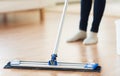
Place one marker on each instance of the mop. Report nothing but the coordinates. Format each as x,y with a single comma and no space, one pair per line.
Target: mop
52,64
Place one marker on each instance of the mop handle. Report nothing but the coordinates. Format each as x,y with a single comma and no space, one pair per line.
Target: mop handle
60,27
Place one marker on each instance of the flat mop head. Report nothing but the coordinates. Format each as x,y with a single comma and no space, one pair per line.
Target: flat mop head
61,66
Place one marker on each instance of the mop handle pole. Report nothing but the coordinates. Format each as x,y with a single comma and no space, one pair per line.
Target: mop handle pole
60,27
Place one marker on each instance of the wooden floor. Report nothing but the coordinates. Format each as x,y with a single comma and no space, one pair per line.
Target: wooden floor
36,42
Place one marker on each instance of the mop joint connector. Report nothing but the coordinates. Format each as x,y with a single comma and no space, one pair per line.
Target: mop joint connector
53,60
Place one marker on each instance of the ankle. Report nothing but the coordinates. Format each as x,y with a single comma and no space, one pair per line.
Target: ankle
92,35
91,38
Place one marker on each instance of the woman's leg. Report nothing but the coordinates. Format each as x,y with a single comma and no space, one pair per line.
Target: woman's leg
85,11
99,6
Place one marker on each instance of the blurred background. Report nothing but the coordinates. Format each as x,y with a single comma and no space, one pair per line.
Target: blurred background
14,11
